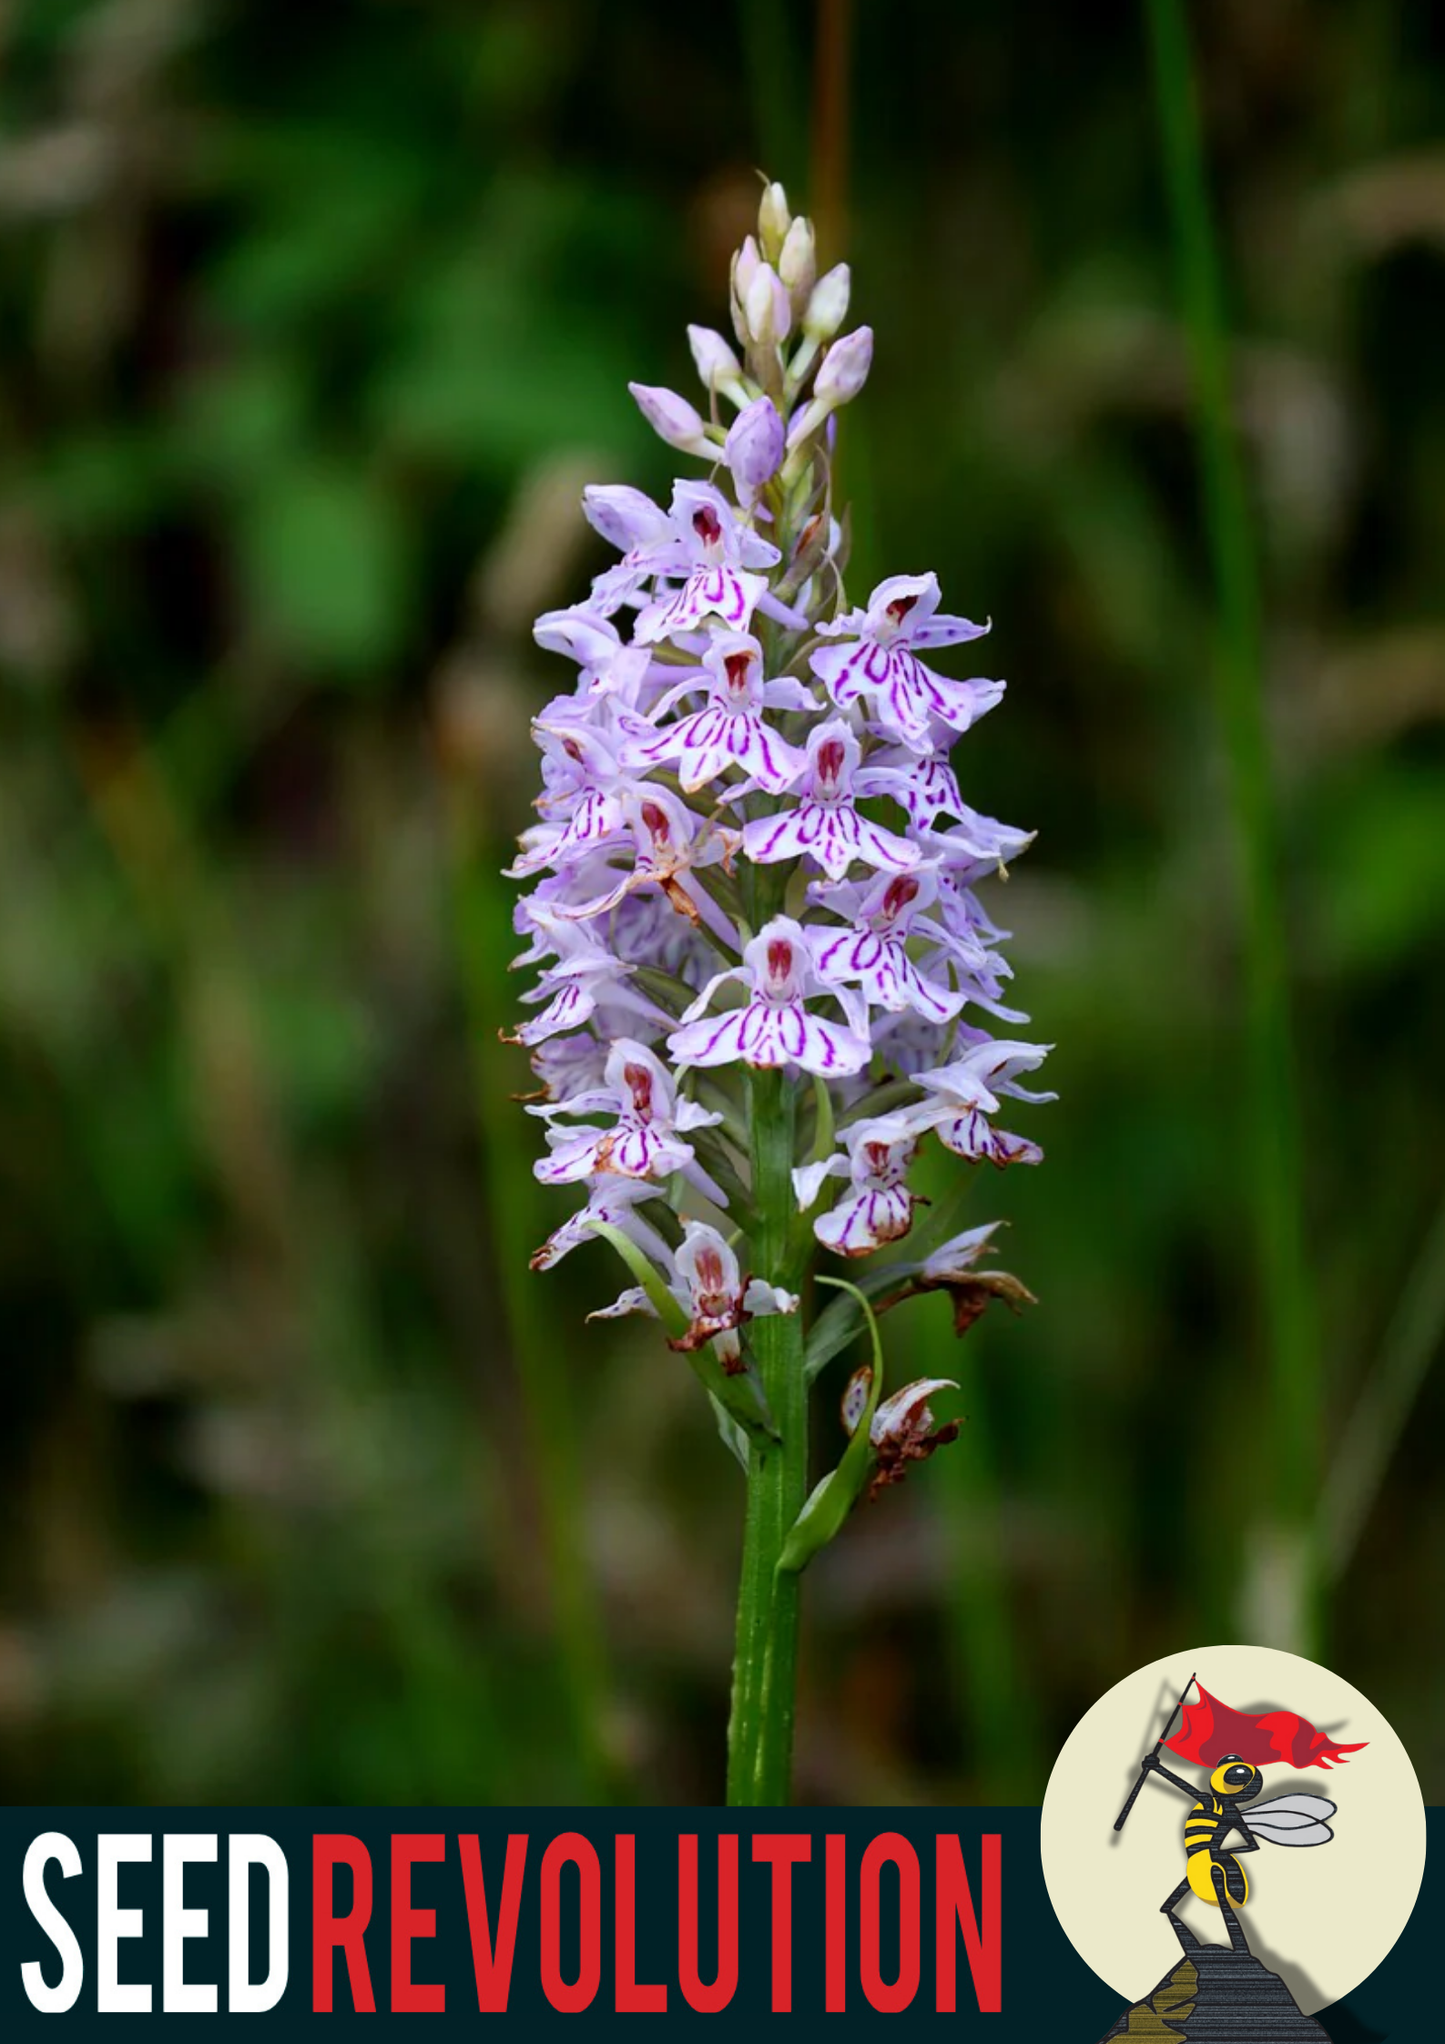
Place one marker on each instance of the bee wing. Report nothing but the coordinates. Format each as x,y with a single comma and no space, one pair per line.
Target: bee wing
1292,1820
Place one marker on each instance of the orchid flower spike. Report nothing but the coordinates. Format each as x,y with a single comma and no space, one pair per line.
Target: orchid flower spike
763,967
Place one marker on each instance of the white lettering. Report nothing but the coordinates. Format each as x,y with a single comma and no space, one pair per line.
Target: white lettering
248,1849
112,1923
52,2001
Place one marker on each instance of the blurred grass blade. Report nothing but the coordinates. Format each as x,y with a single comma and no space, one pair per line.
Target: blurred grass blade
1378,1420
1006,1763
777,105
484,941
1269,1145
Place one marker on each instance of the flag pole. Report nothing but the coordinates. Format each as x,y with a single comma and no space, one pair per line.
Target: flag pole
1143,1766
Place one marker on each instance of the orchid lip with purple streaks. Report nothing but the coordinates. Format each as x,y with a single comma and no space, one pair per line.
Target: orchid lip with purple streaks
775,1027
825,827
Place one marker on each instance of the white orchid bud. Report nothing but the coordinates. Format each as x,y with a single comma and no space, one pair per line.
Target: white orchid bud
844,369
828,306
718,367
841,375
774,222
744,268
672,418
798,265
767,314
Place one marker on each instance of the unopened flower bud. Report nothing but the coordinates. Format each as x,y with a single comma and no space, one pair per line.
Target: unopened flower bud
844,369
717,365
798,265
754,447
841,375
672,418
774,222
767,314
828,306
744,269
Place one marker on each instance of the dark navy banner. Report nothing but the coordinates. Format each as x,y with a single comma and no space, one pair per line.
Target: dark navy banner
540,1915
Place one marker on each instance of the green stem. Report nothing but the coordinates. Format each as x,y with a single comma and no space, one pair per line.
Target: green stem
760,1732
1273,1170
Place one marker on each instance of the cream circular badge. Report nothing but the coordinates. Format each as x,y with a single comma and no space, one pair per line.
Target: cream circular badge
1234,1831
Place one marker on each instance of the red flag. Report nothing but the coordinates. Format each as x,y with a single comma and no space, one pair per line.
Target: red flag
1211,1729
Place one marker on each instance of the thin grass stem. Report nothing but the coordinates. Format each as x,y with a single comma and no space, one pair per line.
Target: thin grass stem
1357,1474
483,910
1270,1142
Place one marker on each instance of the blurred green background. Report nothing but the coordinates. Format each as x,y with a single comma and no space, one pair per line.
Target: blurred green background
315,321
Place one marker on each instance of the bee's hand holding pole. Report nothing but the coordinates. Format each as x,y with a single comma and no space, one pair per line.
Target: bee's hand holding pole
1151,1760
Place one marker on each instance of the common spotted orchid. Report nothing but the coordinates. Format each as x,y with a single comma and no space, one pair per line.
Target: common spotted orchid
761,957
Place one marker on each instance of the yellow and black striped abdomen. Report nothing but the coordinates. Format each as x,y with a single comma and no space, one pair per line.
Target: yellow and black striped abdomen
1200,1824
1199,1828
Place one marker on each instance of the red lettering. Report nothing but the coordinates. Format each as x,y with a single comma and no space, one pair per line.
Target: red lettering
955,1910
784,1849
408,1996
571,1996
328,1930
493,1968
836,1923
707,2000
892,1998
634,1997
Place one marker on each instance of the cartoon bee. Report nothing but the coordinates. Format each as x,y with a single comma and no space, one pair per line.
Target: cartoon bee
1215,1875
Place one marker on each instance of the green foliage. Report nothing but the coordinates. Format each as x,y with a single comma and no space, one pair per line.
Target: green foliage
314,323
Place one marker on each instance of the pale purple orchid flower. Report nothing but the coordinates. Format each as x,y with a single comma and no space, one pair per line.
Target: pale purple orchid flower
906,699
730,731
646,1138
871,951
878,1207
926,787
775,1027
825,827
572,1064
966,1094
615,1201
697,540
720,558
584,798
703,1276
662,840
715,1295
646,929
599,806
977,846
585,971
608,667
911,1043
